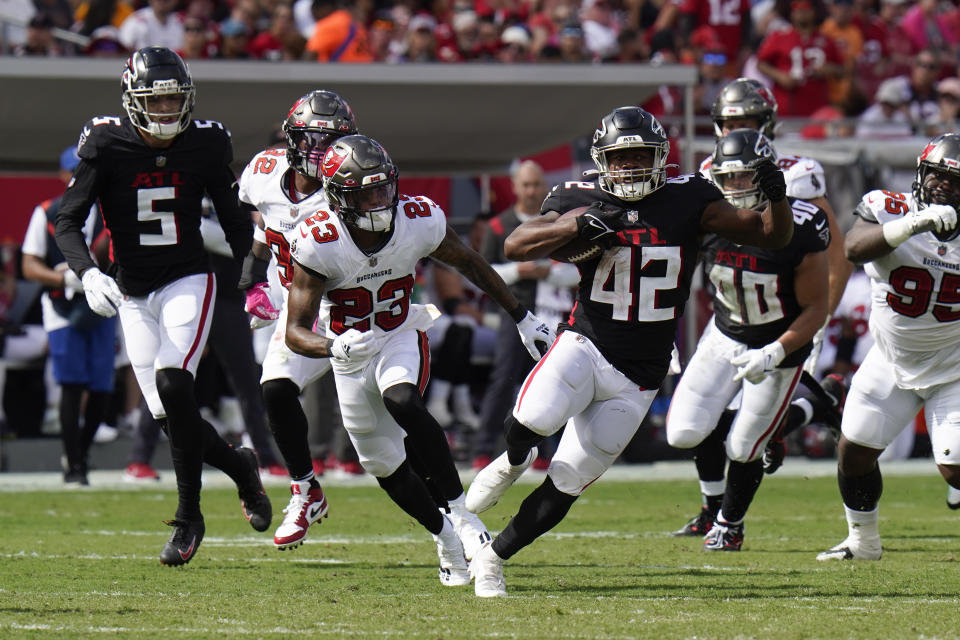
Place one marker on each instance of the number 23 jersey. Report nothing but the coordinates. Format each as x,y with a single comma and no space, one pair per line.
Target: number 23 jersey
915,298
630,298
368,292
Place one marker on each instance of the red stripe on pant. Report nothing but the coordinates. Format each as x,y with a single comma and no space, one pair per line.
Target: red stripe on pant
526,383
783,407
423,376
208,294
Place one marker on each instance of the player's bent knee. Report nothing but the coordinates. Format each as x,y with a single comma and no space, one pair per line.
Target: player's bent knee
279,394
174,386
567,479
684,436
951,473
379,455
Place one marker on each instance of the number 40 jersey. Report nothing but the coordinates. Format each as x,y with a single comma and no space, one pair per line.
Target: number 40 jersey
915,298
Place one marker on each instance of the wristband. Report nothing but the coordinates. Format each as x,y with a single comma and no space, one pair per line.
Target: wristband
897,232
254,270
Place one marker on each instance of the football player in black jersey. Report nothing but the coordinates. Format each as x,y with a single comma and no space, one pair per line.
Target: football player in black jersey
604,370
767,307
149,170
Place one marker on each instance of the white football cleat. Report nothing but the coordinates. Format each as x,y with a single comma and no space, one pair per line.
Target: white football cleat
487,573
492,481
453,565
470,529
851,549
306,506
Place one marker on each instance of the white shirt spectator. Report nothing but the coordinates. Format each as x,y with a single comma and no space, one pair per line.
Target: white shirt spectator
145,27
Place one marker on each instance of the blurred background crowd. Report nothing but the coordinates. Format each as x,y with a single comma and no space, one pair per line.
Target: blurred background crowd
865,70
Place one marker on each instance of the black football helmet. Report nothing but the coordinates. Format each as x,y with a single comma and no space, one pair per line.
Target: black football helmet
313,123
157,71
941,156
360,180
746,98
630,128
735,161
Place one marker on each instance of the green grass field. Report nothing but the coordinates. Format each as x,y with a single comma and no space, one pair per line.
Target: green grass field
83,564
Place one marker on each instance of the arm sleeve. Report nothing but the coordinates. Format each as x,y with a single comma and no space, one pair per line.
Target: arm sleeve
72,215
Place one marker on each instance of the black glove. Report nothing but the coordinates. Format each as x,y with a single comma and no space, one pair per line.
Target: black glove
771,181
601,223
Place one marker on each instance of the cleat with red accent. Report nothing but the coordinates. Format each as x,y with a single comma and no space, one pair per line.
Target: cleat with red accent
253,499
306,506
183,542
140,472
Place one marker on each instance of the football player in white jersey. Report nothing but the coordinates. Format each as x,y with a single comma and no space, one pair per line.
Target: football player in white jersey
354,263
909,244
746,103
284,186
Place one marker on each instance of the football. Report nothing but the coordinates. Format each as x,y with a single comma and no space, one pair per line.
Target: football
578,249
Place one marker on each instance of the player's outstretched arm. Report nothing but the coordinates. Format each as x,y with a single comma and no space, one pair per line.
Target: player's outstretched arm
233,216
303,306
868,241
772,229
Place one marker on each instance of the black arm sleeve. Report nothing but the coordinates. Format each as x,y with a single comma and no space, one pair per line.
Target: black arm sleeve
72,214
235,220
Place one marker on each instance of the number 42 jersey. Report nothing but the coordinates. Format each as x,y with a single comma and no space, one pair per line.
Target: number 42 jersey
369,292
915,298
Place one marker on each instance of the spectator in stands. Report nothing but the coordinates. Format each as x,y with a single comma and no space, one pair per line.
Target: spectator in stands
383,36
420,43
198,39
572,45
631,46
712,80
927,27
105,43
338,35
93,14
546,24
81,342
948,98
840,27
157,24
60,12
281,41
887,117
516,45
887,50
923,106
731,21
40,40
600,28
234,40
800,81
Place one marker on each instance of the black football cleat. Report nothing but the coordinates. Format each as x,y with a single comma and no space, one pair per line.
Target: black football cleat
698,525
183,542
253,499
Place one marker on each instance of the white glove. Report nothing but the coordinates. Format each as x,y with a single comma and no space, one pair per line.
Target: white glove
72,282
103,294
933,217
537,336
354,346
755,364
674,367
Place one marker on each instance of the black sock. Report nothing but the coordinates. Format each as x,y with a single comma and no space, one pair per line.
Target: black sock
796,418
220,455
70,398
541,511
861,493
175,387
743,480
520,439
288,422
410,494
423,472
710,456
92,417
426,437
713,503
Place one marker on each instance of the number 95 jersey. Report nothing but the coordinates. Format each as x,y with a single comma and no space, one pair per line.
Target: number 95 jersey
915,298
368,292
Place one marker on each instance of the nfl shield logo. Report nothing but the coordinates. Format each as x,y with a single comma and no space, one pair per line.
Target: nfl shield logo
942,250
373,262
632,216
161,161
293,213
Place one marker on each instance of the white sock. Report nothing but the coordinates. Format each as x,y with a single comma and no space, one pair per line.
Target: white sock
953,495
863,524
713,487
804,405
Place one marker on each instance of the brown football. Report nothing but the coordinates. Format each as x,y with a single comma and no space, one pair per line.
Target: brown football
578,249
